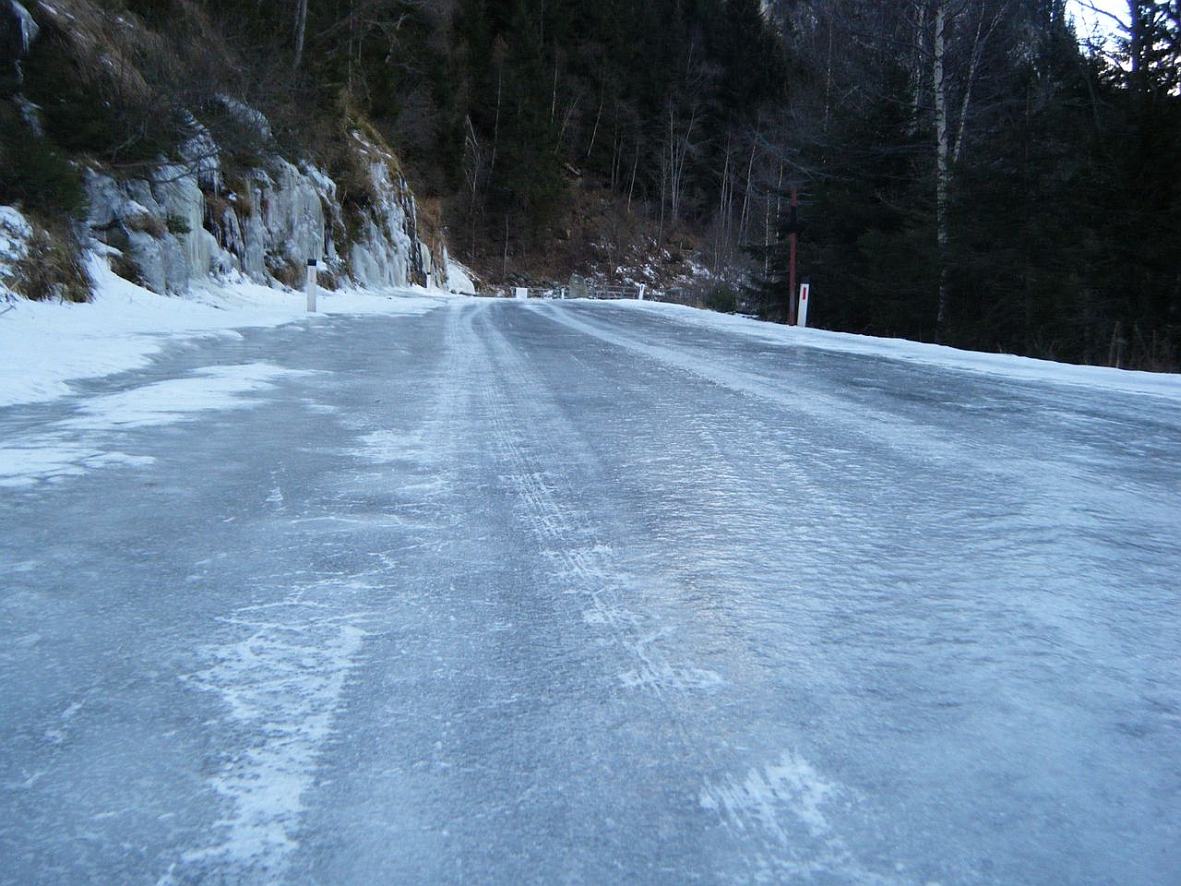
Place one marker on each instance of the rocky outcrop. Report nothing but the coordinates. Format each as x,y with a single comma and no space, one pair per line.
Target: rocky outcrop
225,201
389,220
184,221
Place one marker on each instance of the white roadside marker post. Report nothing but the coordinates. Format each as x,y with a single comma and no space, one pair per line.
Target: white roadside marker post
311,285
802,319
643,286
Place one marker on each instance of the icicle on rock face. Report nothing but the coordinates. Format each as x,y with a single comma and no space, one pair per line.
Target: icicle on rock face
294,219
157,225
386,250
18,30
192,218
15,232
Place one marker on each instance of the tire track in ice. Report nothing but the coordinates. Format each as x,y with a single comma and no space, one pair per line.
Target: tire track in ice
822,409
284,672
780,812
579,556
809,495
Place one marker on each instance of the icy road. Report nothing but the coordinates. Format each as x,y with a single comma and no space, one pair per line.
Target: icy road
510,593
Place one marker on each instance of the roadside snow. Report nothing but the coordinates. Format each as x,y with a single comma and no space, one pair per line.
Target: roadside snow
45,346
14,233
1006,365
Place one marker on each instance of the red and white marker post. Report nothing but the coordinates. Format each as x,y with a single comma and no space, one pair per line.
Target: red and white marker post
805,290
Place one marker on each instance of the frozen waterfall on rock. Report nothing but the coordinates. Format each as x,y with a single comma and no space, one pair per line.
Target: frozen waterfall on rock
188,219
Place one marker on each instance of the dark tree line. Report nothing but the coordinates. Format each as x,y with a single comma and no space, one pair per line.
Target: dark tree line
650,98
498,104
971,175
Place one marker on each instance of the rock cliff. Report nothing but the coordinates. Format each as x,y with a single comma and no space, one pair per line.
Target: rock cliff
201,208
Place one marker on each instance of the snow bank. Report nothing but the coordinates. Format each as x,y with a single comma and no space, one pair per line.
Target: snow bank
15,232
43,346
1006,365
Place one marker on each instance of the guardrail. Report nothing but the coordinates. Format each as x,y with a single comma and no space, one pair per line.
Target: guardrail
640,292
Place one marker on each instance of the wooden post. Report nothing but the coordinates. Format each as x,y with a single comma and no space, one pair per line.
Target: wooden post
791,258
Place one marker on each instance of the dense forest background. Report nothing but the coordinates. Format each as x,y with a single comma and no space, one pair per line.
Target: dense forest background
967,172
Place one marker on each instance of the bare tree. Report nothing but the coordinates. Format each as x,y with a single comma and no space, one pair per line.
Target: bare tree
942,154
301,30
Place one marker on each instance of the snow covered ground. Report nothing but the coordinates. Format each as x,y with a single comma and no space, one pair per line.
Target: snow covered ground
999,365
474,591
45,346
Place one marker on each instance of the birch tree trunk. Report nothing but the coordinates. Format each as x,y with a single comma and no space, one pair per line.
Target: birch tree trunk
744,218
301,29
918,65
979,43
942,160
679,147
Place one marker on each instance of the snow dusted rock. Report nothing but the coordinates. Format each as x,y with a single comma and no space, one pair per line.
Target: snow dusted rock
240,233
37,263
184,213
14,245
174,230
189,219
387,251
293,217
157,224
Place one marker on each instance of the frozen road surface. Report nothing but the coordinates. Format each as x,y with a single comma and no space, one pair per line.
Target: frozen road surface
540,593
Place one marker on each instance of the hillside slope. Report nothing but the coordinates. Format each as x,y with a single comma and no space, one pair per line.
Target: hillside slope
123,131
